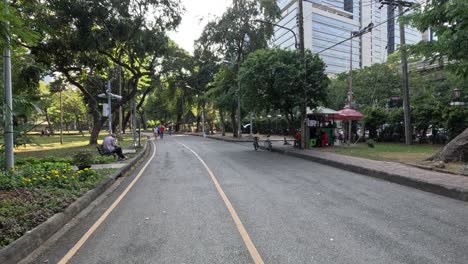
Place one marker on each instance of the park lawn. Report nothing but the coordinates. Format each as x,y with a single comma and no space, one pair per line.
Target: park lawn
388,151
42,146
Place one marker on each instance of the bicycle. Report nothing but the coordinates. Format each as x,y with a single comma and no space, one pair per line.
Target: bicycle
255,143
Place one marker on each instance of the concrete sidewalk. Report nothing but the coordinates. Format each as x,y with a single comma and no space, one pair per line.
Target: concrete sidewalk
450,185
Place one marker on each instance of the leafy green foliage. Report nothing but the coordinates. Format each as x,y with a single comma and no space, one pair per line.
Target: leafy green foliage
14,26
274,80
85,40
235,34
374,118
449,22
83,159
372,86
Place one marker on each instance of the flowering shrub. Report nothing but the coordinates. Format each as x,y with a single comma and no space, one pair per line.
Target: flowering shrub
33,192
47,174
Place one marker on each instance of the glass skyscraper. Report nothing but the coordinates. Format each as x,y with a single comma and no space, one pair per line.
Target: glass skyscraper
327,22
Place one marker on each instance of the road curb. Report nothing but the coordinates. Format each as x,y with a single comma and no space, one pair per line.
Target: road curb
455,193
25,245
220,139
229,140
436,169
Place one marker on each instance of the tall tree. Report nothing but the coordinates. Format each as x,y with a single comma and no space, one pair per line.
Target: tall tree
235,34
274,80
85,40
448,21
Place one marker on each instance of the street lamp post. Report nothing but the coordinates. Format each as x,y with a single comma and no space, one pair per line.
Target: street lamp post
251,124
456,98
9,141
61,116
108,92
239,129
109,95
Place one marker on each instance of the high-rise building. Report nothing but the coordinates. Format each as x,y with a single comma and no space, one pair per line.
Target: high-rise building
327,22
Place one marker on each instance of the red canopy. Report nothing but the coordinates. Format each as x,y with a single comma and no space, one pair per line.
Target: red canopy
348,114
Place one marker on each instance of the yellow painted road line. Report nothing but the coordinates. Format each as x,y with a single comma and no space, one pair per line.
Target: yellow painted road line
243,232
103,217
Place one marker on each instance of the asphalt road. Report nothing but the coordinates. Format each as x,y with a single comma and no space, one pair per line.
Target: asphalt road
294,211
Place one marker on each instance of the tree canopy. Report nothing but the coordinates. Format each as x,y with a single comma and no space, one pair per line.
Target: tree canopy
448,21
276,79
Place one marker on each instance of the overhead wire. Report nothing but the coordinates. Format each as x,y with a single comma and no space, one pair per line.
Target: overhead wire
341,42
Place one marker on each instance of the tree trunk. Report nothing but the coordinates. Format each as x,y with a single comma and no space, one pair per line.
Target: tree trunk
223,126
290,120
48,119
198,125
233,122
455,150
98,122
143,120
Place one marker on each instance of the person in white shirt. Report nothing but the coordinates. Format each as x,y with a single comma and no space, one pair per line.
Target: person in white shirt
110,146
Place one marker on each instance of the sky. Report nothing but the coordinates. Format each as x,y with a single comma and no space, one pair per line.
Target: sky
197,14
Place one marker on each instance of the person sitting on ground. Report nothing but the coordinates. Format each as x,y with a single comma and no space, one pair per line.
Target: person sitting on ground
110,146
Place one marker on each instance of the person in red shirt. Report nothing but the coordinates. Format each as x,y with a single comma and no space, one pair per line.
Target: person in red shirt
324,139
161,131
297,139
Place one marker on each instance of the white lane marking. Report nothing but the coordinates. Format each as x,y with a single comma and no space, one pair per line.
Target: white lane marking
240,227
103,217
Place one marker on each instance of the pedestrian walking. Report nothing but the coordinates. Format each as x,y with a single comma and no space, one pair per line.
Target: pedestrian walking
169,130
157,130
161,131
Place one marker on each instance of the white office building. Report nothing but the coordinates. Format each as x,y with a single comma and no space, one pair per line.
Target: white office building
327,22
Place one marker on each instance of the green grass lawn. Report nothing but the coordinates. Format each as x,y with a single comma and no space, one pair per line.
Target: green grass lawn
42,146
388,151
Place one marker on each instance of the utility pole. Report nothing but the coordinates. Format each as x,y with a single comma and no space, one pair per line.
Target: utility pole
350,88
251,124
239,129
120,107
404,68
134,122
300,22
61,117
8,110
109,101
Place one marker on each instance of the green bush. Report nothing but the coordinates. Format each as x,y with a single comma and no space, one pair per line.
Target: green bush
84,158
33,160
103,159
370,143
45,175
